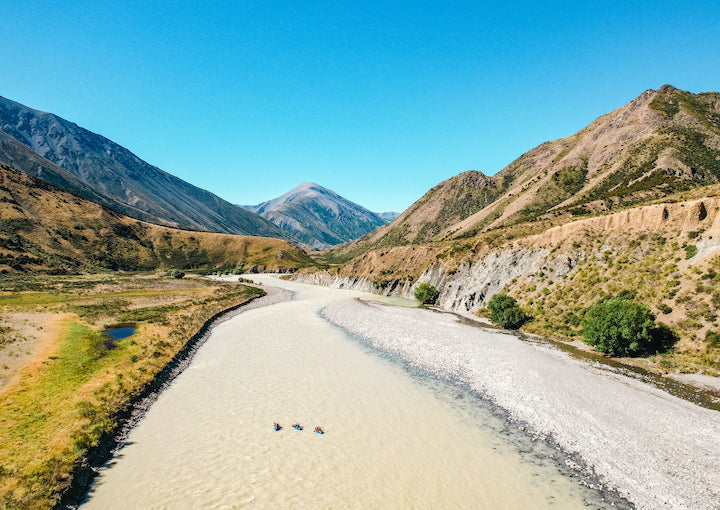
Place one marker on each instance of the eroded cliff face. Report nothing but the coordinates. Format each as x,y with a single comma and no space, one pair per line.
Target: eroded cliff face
643,247
467,288
473,284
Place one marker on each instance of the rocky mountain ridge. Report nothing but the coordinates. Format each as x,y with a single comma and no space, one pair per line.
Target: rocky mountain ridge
317,216
45,229
111,174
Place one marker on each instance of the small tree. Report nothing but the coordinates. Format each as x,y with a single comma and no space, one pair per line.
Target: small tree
427,294
505,312
620,327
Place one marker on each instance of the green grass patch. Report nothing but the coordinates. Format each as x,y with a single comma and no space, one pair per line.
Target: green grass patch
24,299
151,313
41,410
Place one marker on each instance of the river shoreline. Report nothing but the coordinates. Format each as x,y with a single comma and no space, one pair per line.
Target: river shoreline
405,334
86,471
393,441
569,464
657,450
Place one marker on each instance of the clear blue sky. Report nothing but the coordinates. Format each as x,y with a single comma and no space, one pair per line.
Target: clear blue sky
378,101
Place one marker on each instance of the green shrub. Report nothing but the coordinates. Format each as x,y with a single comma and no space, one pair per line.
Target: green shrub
628,294
505,312
713,338
571,179
425,293
690,251
621,327
710,275
177,274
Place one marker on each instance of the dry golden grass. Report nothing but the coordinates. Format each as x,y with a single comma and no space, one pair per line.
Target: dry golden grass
65,396
44,229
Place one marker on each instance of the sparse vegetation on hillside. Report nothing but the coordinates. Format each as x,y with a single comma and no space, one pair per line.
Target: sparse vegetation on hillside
698,105
607,265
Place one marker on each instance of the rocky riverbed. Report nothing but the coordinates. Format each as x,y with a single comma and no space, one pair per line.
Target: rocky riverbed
657,450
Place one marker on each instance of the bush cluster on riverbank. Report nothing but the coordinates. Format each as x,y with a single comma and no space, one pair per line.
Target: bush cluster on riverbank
427,294
505,312
623,327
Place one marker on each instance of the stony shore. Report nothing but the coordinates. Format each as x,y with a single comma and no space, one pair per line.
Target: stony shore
657,450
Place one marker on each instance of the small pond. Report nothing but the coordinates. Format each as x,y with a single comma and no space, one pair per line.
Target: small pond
118,333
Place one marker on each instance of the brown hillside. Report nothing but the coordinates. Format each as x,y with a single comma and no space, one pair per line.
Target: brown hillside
660,143
667,255
627,205
444,205
46,229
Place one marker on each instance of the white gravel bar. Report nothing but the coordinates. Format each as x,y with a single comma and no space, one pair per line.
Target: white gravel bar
657,450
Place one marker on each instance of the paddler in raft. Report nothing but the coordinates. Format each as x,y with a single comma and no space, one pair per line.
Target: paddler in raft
276,426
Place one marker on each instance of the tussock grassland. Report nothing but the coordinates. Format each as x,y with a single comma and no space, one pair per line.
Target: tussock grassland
47,230
67,384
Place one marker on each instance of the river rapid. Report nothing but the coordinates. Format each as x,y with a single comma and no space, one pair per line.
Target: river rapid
395,437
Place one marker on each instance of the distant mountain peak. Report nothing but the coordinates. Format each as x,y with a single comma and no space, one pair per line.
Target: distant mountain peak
309,185
318,216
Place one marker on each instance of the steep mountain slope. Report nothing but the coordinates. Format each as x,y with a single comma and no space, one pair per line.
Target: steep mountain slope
45,229
318,216
114,172
627,205
18,155
660,143
444,205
